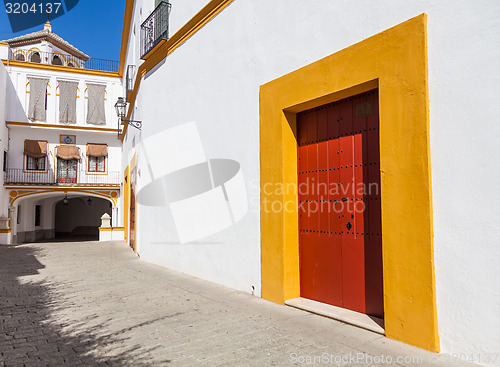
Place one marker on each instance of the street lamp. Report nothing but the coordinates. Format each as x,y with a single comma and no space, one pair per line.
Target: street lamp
121,112
121,107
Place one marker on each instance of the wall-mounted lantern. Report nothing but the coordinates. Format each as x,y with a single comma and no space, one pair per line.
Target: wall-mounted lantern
121,112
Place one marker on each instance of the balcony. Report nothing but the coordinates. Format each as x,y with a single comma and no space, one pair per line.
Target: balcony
19,176
60,59
155,28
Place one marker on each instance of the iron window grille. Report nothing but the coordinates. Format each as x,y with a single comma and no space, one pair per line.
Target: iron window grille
155,28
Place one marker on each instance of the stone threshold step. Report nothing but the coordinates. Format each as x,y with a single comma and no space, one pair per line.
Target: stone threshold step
354,318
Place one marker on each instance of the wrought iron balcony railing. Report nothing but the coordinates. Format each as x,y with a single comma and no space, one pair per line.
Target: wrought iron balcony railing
24,177
60,59
155,28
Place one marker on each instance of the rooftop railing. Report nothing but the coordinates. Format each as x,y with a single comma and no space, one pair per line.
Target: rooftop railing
155,28
60,59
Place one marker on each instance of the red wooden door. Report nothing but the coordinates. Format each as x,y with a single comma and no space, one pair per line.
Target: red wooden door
339,204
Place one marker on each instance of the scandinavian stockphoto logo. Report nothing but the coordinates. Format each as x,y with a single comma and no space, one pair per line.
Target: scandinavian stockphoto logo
25,14
205,196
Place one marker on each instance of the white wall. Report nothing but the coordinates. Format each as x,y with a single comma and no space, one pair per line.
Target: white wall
27,217
464,73
18,134
4,140
181,12
17,102
4,51
47,219
18,97
214,79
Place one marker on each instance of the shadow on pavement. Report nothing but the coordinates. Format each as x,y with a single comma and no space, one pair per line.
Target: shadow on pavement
29,334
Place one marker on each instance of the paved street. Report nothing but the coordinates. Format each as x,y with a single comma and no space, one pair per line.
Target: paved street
98,304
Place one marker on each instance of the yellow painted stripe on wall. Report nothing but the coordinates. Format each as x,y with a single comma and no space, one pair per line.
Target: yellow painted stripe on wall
126,201
65,69
127,20
35,124
164,48
395,61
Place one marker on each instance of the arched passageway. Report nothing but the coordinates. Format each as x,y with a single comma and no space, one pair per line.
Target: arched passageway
79,218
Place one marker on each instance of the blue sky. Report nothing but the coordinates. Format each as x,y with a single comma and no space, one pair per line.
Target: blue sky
93,26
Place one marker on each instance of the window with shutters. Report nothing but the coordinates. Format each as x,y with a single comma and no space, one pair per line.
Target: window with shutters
35,57
97,164
35,153
96,158
67,170
67,101
19,56
35,164
96,112
56,60
37,108
67,163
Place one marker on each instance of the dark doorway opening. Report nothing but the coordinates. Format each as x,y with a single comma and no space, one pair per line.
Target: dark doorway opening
80,218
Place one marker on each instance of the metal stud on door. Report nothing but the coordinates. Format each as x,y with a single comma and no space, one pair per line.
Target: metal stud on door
373,242
321,281
338,159
353,272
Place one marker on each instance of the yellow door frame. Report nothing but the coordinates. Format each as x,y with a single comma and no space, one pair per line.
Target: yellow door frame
395,62
126,202
133,164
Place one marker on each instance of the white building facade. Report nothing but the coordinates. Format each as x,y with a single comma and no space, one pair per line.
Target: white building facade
61,150
256,116
215,174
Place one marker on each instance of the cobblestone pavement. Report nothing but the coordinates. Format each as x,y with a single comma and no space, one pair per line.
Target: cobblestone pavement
97,304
